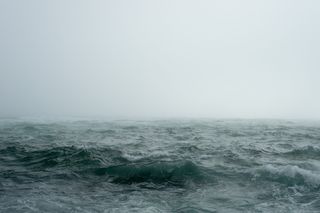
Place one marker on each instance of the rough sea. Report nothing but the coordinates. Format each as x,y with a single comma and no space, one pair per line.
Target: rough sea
159,166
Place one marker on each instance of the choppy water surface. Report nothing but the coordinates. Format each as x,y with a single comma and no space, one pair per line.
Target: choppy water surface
159,166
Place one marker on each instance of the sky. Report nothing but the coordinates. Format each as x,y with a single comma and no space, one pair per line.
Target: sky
160,59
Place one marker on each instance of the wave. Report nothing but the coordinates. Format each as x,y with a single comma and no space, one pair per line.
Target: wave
102,162
288,175
67,156
173,173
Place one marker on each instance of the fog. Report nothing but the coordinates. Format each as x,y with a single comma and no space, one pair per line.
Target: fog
160,59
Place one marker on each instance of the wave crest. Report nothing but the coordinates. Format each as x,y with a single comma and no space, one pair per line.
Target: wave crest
289,175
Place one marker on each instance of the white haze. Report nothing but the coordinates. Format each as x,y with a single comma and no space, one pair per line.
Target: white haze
160,59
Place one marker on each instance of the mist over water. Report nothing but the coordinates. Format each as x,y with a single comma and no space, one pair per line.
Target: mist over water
160,59
159,166
114,106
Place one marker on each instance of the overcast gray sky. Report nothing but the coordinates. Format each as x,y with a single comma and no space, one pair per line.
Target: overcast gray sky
164,58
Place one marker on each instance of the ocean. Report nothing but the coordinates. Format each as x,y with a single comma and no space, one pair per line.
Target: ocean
159,166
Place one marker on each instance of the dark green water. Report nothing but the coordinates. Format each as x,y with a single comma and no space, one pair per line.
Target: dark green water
159,166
